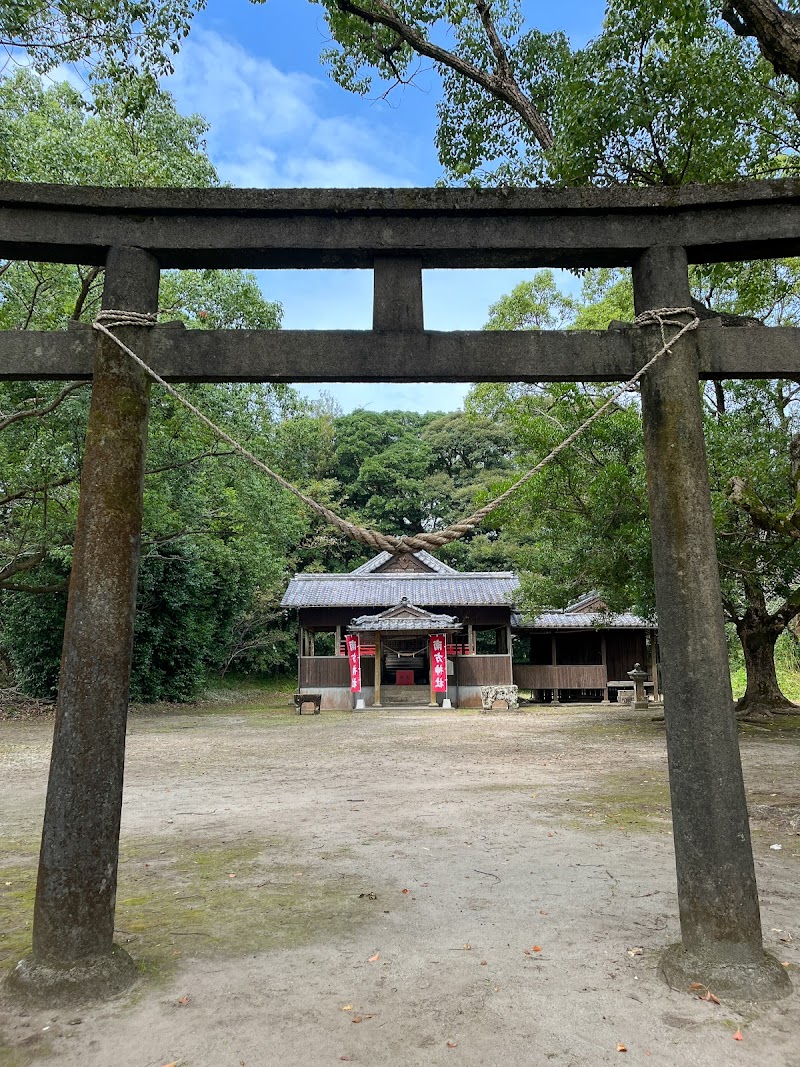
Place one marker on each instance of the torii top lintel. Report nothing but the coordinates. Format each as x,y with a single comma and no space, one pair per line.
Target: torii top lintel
442,228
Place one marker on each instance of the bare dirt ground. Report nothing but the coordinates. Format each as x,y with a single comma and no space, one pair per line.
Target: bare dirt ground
409,888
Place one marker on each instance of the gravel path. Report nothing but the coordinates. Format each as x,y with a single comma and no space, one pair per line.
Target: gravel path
418,888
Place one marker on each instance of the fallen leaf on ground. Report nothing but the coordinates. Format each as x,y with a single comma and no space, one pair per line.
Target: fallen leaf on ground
452,1044
738,1036
357,1019
406,890
173,1064
231,875
710,997
544,912
347,1007
184,1000
637,951
537,948
622,1048
484,963
375,958
697,985
467,947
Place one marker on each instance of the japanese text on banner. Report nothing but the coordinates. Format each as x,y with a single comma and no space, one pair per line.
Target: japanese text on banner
439,663
354,658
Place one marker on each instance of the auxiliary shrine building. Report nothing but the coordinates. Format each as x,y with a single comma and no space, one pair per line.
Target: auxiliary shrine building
394,604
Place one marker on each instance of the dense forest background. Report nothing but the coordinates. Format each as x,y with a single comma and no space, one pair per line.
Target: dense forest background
666,94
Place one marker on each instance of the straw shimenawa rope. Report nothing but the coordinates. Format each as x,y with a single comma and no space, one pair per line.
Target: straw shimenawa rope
106,321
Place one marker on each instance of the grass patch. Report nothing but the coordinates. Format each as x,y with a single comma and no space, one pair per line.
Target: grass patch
17,891
643,728
784,728
634,802
224,901
234,687
200,899
176,717
22,1057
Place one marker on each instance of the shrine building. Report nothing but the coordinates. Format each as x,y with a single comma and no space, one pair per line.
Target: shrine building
395,603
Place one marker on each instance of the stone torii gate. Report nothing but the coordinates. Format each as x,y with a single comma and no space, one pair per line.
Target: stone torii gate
397,233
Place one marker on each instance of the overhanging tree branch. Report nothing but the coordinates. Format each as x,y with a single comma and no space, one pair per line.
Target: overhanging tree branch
20,565
501,84
39,412
36,490
22,587
776,30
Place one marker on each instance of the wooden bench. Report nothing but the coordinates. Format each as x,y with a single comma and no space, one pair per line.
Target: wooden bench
307,698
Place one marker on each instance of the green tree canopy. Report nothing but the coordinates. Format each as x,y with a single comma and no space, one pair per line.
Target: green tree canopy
667,93
217,538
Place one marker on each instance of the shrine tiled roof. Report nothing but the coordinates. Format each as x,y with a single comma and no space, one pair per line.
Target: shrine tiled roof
424,557
403,616
439,587
581,620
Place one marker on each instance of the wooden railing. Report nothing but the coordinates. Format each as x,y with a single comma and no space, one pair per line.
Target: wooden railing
577,676
332,672
482,670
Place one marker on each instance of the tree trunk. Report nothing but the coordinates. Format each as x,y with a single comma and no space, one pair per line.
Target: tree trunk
763,697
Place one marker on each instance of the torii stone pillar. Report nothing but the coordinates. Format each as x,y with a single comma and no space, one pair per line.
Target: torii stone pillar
717,893
73,951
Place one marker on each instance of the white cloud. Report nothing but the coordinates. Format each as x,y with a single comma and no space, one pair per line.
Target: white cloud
269,127
272,128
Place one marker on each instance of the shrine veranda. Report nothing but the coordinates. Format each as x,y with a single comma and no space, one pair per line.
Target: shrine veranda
397,234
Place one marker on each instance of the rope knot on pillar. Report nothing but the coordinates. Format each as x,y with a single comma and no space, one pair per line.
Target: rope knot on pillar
111,319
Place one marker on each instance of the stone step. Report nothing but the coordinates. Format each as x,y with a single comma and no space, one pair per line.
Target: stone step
397,695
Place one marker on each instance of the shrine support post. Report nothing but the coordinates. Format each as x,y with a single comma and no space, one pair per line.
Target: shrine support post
718,899
73,950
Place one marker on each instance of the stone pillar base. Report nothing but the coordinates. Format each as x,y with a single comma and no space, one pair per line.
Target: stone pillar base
73,982
741,972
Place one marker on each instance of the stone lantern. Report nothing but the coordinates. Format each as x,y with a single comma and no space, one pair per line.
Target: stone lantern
638,676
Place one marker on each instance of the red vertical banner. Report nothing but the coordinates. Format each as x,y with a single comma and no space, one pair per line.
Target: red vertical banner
354,657
438,655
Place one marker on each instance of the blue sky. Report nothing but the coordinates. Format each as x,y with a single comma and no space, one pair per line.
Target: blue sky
278,120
